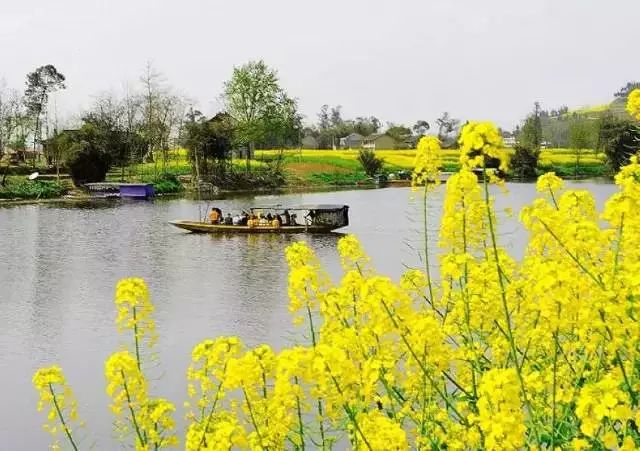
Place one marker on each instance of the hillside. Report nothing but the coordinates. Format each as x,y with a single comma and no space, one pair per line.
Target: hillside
555,129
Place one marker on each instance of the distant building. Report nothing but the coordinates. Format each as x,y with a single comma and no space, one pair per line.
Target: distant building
509,141
309,142
380,141
351,141
17,156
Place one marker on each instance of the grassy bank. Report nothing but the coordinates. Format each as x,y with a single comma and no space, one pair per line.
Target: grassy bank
18,187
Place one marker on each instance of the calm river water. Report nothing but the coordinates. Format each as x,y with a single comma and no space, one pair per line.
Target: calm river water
59,264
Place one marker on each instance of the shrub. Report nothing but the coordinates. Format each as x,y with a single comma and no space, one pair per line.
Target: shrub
89,165
371,163
167,183
619,139
35,189
524,161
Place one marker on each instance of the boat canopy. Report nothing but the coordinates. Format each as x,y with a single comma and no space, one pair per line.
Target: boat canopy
308,207
333,215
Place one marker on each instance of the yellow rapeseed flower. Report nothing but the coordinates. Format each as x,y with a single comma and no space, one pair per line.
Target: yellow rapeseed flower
427,162
57,398
479,140
633,103
134,312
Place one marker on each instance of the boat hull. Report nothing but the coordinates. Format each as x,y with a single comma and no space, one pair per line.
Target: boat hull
203,227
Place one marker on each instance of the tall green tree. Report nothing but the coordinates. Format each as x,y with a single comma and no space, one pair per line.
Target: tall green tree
399,132
40,84
366,126
209,144
531,132
256,102
527,150
323,117
619,139
583,135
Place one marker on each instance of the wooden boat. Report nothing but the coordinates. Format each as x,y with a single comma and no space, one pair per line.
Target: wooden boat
320,218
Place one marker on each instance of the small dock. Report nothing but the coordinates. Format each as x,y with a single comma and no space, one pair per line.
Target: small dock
124,190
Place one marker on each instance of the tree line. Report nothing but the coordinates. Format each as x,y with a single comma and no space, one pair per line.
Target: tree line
144,122
148,119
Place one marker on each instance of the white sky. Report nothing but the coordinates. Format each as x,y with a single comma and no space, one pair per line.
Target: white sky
399,60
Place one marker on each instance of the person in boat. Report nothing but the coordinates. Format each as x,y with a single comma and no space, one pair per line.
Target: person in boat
269,217
244,219
228,220
287,218
292,219
263,221
215,215
309,217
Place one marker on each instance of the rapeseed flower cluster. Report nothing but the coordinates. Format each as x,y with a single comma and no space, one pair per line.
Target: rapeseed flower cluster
427,162
494,353
134,312
633,103
56,397
480,141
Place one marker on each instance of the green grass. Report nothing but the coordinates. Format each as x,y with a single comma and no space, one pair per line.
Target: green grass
19,188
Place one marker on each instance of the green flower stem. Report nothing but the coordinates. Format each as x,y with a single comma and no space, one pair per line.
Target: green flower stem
67,431
347,409
135,335
133,414
505,306
426,246
300,423
424,368
555,382
320,410
253,418
211,412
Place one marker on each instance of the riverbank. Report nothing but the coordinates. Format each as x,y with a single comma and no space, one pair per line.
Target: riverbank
300,171
81,197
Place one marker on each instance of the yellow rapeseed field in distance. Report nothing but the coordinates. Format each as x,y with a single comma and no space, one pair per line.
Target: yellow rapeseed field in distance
404,159
308,162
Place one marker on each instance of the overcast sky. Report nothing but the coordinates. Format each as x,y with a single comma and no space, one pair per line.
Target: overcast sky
399,60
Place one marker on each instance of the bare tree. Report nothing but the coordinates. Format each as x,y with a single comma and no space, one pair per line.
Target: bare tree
162,111
10,106
132,109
